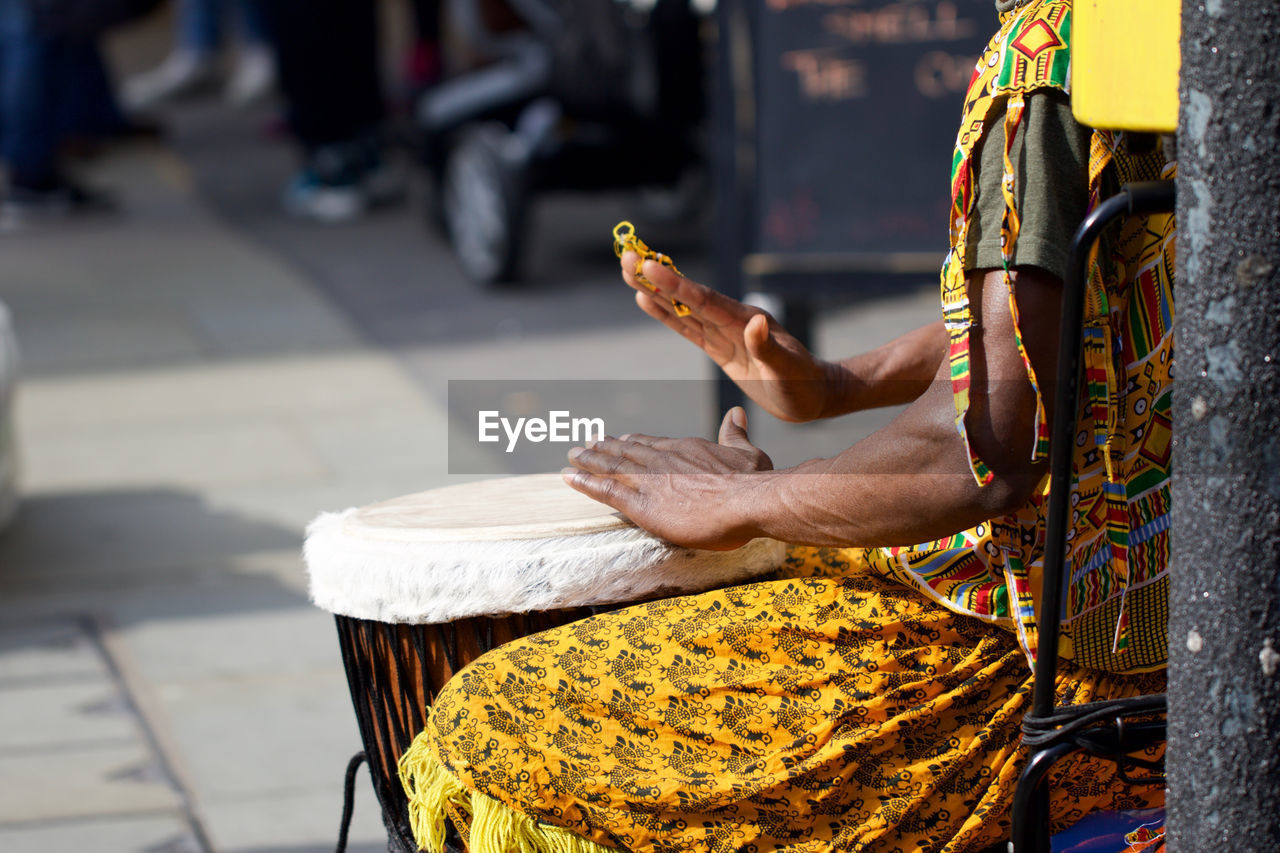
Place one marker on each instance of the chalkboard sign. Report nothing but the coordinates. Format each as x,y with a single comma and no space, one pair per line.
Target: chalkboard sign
857,104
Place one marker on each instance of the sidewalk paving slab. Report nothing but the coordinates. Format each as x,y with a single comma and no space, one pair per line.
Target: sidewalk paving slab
84,782
71,743
188,404
162,833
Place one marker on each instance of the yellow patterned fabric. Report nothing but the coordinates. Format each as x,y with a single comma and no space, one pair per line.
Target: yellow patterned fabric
1116,610
827,709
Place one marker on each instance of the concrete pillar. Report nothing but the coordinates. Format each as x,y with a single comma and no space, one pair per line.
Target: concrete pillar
1224,635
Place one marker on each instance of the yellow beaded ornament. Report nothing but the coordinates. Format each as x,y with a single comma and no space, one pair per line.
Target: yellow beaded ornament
625,240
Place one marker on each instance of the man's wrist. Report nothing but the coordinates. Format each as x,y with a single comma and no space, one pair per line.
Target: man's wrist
748,505
843,389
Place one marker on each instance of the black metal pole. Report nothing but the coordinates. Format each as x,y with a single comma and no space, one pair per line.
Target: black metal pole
1063,428
1031,822
1224,627
729,175
1133,199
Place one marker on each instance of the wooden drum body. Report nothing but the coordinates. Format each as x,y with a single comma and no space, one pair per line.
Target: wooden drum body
395,671
422,585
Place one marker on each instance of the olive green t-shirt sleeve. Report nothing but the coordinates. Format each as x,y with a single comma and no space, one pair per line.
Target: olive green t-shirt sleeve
1051,185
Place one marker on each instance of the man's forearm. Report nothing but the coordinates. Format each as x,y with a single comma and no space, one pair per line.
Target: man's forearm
907,483
891,375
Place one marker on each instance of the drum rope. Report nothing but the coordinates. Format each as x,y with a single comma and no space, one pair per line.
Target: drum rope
449,638
372,702
348,801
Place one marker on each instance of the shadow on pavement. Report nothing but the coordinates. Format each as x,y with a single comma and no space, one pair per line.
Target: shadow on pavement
161,553
308,848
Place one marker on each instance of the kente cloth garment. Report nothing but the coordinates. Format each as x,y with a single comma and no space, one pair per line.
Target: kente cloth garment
873,701
1116,610
829,709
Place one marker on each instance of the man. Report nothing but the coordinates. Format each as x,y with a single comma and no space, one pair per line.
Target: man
871,698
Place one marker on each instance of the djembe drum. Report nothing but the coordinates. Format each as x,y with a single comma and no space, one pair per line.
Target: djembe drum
422,585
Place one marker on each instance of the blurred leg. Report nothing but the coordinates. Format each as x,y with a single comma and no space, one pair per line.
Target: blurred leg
254,74
327,66
36,76
200,26
251,23
28,120
191,64
87,103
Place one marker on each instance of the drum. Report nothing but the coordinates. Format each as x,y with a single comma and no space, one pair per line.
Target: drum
422,585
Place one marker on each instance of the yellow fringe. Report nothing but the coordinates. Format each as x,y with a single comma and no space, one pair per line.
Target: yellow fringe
494,827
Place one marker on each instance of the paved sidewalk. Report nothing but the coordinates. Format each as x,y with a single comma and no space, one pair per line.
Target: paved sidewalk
189,401
188,404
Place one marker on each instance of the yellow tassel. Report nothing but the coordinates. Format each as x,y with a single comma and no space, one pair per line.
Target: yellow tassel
495,827
429,788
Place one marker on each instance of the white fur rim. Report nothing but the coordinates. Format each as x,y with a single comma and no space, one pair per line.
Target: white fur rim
435,582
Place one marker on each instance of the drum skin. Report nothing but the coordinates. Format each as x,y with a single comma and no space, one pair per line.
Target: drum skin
510,545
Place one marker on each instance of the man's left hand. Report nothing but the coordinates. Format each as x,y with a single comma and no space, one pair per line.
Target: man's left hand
689,491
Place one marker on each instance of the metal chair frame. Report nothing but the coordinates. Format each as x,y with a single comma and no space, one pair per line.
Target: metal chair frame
1102,728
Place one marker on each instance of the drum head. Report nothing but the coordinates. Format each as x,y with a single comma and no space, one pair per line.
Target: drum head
513,545
536,506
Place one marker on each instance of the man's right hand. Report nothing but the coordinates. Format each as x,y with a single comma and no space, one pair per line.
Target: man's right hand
766,362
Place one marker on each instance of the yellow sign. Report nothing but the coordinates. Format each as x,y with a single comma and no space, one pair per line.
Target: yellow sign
1124,64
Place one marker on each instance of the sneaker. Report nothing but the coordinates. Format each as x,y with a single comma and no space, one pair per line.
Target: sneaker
182,73
342,181
252,78
309,197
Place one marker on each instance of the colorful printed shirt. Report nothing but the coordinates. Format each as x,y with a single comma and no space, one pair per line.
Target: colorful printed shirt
1115,615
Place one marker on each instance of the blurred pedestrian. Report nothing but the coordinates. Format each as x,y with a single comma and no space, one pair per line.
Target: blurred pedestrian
53,86
193,65
328,70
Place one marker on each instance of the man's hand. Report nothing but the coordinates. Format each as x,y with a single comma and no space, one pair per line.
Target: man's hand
908,482
686,490
770,365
